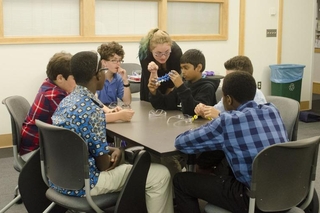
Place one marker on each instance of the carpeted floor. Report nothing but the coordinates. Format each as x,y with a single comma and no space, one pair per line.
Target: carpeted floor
9,177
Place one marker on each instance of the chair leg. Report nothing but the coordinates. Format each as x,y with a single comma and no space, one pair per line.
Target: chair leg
17,198
16,193
48,209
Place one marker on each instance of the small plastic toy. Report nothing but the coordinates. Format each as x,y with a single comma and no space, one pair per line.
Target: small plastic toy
207,73
195,117
163,78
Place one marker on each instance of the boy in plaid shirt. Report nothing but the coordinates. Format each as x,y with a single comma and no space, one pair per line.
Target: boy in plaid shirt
59,84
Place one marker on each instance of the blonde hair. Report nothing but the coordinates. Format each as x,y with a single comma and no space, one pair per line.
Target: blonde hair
154,37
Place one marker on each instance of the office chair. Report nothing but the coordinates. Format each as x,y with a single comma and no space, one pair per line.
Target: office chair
130,67
18,108
289,110
32,187
283,177
219,94
62,151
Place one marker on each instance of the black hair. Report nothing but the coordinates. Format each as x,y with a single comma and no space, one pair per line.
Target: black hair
84,66
194,57
240,85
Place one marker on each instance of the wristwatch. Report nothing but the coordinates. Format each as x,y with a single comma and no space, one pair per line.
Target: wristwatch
126,85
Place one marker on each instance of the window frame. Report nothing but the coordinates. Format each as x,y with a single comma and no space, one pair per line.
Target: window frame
87,26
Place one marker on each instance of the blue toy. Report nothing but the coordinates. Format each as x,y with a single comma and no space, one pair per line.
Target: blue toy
163,79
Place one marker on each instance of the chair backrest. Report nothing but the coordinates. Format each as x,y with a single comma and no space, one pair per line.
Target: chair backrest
18,108
289,111
62,150
32,187
132,198
219,94
130,67
282,174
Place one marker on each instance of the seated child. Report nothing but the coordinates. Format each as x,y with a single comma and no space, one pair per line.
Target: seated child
186,94
241,132
207,161
116,85
58,84
81,112
237,63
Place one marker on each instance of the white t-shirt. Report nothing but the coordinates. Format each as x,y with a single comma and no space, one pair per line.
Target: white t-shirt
258,98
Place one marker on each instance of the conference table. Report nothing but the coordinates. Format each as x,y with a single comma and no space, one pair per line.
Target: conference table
153,132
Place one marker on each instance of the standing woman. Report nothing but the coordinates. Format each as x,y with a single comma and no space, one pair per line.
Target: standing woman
157,47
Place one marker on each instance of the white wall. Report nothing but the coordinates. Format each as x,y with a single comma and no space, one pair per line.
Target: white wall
298,39
22,67
316,68
260,49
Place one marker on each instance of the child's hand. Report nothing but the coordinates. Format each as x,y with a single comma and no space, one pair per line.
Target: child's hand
123,74
126,114
106,109
175,78
153,85
153,67
115,158
116,109
199,109
210,112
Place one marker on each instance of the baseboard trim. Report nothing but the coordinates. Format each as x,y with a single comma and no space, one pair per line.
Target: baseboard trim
304,105
5,140
316,88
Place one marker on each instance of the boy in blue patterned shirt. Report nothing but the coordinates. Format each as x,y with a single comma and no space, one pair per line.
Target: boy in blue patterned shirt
82,112
241,132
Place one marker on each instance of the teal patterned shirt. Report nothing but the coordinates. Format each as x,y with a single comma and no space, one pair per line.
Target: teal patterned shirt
81,111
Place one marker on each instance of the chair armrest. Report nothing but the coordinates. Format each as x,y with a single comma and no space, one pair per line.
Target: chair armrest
131,153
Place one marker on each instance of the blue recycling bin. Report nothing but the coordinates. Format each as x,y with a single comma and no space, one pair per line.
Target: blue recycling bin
286,80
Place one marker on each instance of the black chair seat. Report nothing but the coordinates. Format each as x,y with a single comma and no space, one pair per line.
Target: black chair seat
104,201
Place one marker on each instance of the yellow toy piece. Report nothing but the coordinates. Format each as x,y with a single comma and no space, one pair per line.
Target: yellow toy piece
195,117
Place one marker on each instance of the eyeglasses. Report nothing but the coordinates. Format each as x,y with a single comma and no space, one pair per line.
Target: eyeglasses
116,61
113,105
159,54
98,62
157,113
180,120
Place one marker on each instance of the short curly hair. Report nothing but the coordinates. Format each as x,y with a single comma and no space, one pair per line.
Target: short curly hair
108,50
59,64
240,85
239,63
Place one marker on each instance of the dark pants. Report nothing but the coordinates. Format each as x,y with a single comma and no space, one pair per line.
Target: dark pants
220,190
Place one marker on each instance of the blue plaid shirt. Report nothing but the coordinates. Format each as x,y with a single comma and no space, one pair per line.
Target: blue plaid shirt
81,112
241,134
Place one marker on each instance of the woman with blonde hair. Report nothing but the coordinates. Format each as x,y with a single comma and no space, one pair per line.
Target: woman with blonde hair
158,55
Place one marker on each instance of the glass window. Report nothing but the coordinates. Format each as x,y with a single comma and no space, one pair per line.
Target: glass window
125,17
40,18
195,18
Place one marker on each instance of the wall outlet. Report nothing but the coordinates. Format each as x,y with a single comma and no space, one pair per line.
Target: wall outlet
259,85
